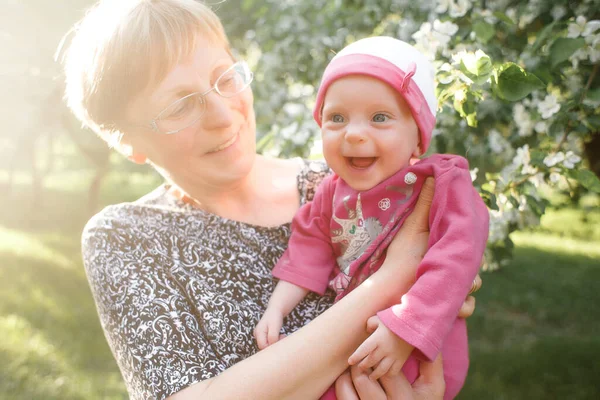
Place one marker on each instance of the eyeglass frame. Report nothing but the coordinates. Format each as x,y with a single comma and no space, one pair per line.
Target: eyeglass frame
153,123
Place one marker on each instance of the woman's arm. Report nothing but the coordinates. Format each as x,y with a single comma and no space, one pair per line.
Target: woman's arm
305,364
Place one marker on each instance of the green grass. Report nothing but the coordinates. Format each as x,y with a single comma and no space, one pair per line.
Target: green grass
533,336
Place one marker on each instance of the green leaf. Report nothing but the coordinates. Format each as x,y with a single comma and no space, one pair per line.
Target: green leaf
484,31
593,96
472,120
589,180
477,66
542,37
563,48
537,206
593,121
504,18
514,82
489,199
537,158
514,201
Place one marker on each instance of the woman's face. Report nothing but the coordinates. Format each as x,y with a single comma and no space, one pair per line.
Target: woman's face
216,151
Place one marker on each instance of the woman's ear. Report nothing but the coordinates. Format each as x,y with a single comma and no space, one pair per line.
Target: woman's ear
123,145
137,158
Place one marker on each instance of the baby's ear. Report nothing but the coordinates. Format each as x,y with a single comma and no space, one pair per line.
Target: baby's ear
417,152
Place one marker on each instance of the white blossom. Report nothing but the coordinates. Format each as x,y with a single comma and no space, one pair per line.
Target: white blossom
549,106
529,170
576,28
594,49
497,143
558,12
456,8
512,14
445,28
579,55
523,120
294,110
541,127
590,27
488,16
555,177
498,227
537,180
460,95
431,38
571,159
526,19
523,158
574,82
290,131
447,75
552,159
473,173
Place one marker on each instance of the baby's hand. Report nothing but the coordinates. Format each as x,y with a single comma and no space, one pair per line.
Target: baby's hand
383,348
267,330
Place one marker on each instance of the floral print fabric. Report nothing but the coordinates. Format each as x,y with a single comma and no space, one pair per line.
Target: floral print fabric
179,290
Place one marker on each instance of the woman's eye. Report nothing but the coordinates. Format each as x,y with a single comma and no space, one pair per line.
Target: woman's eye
337,118
227,82
180,109
380,118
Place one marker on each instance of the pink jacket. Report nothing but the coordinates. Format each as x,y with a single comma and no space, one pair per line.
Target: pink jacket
340,238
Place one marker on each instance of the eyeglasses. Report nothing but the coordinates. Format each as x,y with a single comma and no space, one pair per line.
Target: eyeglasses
188,110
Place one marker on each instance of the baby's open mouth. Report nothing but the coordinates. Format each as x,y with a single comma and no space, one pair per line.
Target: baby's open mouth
361,162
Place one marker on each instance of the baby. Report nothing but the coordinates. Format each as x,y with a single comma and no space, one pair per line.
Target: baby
376,108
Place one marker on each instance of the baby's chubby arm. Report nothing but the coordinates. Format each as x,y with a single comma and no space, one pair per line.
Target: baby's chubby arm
285,297
383,351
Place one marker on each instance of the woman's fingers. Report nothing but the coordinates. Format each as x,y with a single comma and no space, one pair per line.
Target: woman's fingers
418,220
477,282
411,240
344,388
365,387
468,308
430,385
397,387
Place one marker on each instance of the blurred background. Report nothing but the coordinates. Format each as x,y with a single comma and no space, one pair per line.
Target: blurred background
534,334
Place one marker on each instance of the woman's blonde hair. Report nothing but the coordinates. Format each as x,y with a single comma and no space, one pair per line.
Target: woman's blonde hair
122,47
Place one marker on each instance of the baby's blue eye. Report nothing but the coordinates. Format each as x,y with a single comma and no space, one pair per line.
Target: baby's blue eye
337,118
380,118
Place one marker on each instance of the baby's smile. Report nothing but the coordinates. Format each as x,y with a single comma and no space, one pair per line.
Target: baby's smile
361,162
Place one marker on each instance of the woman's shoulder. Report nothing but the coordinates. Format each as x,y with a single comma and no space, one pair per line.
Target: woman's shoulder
310,176
119,226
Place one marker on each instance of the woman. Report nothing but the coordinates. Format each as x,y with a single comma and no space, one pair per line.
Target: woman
181,276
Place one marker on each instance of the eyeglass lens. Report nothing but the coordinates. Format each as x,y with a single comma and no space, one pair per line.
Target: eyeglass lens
189,109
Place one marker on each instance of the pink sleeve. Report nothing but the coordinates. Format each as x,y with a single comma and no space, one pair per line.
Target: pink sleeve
459,223
309,259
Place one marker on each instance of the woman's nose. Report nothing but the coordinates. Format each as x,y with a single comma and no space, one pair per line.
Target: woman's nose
218,113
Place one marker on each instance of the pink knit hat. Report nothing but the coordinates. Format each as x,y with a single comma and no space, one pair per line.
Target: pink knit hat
394,62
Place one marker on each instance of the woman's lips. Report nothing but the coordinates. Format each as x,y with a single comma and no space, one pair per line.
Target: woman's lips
225,145
361,162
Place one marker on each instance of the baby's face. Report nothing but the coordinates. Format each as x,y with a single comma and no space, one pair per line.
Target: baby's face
368,131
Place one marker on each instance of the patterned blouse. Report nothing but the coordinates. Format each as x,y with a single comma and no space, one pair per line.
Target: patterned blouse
179,290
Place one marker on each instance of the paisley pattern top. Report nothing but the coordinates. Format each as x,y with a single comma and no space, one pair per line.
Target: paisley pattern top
179,290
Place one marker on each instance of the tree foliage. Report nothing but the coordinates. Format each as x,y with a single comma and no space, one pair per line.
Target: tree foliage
518,85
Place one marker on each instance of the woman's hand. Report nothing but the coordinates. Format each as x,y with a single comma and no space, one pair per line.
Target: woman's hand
413,237
356,385
411,240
